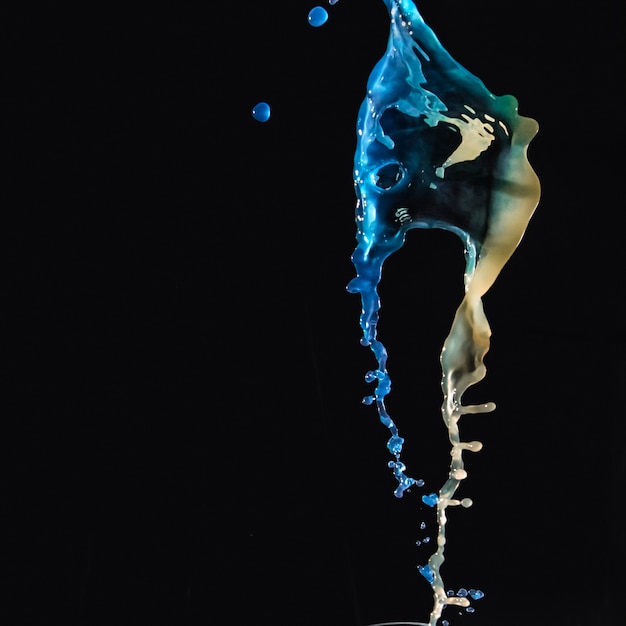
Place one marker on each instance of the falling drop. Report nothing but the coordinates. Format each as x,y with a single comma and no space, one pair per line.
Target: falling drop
430,500
476,594
318,16
426,572
261,112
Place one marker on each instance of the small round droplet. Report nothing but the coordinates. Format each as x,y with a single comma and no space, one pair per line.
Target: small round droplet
368,400
476,594
261,112
318,16
466,503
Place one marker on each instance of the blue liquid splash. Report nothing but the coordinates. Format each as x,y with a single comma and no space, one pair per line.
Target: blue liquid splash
261,112
436,149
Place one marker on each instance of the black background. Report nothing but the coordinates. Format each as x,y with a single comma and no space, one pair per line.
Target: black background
183,373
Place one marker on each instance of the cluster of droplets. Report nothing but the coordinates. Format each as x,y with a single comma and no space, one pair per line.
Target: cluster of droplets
465,595
471,594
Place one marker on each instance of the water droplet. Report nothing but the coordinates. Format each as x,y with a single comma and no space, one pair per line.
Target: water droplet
450,593
368,400
318,16
426,572
430,500
370,377
333,1
261,112
470,609
476,594
426,539
445,623
419,482
462,592
422,525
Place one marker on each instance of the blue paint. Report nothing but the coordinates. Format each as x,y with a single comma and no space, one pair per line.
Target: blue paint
427,573
476,594
430,500
318,16
404,481
261,112
394,445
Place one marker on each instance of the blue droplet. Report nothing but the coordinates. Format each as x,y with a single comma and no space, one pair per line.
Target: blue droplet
445,623
426,572
261,112
470,609
430,500
419,482
462,592
422,525
476,594
368,400
333,1
318,16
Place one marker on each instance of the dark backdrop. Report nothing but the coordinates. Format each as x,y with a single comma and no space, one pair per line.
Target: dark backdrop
183,373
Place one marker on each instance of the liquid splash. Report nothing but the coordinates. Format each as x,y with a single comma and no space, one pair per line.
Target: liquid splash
436,149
